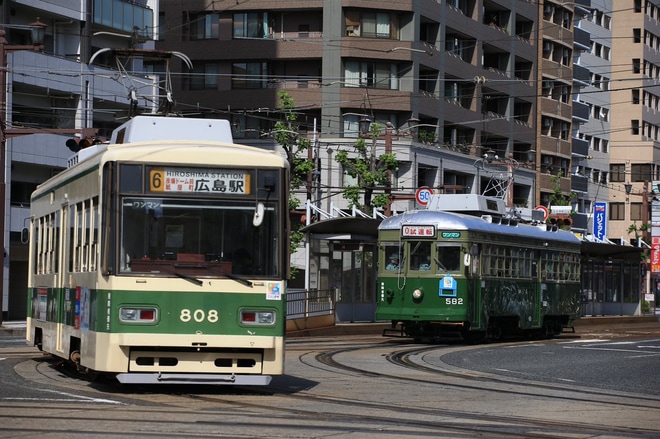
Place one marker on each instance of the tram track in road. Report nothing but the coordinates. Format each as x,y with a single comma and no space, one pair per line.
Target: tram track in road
470,381
332,390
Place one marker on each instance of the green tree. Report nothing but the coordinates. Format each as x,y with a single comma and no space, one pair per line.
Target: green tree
370,171
558,198
295,146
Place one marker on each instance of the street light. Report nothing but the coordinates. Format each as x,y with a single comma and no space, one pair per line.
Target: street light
37,32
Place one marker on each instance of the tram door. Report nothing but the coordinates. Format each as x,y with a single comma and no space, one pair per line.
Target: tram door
354,281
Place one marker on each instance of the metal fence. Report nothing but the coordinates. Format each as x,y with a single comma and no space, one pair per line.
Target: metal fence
302,303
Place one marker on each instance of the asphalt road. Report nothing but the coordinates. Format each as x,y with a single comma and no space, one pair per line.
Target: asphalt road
594,383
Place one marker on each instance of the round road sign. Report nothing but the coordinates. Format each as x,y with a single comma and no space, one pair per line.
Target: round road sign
423,195
544,210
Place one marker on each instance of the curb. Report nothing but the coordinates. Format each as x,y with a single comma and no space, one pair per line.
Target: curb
377,328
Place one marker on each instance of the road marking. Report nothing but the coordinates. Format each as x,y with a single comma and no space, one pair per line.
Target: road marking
70,398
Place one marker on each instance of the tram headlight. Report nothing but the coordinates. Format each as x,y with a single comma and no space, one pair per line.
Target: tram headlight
417,294
252,317
138,314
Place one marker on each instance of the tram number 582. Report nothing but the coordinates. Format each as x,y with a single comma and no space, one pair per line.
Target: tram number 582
454,301
199,315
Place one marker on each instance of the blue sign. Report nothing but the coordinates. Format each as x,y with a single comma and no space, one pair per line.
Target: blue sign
600,221
448,286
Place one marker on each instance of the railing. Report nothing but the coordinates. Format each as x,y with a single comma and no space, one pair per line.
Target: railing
309,303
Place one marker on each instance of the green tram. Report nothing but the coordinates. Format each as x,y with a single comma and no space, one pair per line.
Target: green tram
480,277
161,257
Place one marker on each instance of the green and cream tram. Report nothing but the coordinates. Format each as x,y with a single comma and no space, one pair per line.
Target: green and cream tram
161,257
478,276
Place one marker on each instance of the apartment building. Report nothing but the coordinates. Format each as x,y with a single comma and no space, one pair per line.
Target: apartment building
593,102
634,119
456,79
53,93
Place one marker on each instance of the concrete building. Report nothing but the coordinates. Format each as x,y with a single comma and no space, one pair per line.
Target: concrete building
53,94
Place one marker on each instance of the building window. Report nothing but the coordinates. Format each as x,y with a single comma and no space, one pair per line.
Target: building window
371,24
204,76
370,74
634,126
636,65
249,75
252,25
635,211
204,26
637,35
617,173
641,172
617,211
635,96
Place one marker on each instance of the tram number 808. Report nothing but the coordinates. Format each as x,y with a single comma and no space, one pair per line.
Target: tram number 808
454,301
199,315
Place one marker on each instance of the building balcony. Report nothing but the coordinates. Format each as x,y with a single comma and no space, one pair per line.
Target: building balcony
580,111
580,147
581,39
579,183
581,74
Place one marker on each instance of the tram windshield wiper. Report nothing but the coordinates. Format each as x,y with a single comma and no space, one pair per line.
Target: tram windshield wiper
437,261
188,278
238,279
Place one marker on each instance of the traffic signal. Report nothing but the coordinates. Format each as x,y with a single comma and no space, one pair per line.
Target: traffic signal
561,220
75,144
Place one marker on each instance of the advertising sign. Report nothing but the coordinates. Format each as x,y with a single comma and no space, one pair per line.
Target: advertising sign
655,254
600,221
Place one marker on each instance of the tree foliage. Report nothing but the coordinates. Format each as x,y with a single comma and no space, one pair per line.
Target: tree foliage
286,133
370,171
558,198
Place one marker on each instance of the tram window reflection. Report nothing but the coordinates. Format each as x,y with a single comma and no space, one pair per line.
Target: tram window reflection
420,255
449,257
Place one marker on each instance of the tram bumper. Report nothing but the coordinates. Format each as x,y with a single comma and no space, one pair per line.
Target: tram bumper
194,378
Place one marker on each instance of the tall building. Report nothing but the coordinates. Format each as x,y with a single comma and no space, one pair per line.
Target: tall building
463,73
593,102
634,119
54,94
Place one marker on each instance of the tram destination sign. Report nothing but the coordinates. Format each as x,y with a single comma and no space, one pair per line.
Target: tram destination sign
411,231
200,180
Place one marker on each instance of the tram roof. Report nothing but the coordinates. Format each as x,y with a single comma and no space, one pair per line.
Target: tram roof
456,221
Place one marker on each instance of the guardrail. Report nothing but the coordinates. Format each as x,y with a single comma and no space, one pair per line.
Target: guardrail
302,303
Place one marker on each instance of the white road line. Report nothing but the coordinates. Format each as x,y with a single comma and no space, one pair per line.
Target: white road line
70,397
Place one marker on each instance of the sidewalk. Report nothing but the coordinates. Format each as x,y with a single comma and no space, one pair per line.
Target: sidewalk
13,328
17,328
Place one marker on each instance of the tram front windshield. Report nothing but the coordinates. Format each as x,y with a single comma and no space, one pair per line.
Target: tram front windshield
170,236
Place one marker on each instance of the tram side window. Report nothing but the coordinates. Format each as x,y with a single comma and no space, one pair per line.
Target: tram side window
47,243
420,255
83,236
392,257
489,260
448,257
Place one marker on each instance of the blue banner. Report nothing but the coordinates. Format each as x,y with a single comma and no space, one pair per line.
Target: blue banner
600,221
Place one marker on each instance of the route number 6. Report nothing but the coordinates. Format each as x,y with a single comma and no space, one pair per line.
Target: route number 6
199,315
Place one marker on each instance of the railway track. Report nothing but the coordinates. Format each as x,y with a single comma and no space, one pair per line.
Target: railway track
351,387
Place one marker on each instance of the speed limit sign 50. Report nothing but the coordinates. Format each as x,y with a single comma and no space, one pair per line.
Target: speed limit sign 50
423,195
